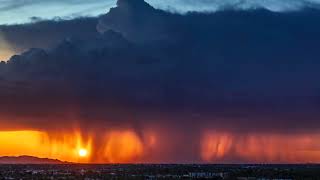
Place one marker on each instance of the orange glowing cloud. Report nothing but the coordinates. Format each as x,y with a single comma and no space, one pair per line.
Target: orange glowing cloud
261,148
216,146
68,146
122,147
35,143
126,146
117,146
15,143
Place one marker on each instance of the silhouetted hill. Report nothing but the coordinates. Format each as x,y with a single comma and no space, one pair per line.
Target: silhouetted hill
28,160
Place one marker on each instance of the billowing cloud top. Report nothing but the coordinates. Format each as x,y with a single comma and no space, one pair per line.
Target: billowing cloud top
209,82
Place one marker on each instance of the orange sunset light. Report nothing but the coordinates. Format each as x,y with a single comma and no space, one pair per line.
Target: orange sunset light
126,146
116,147
5,49
257,148
122,146
83,152
65,147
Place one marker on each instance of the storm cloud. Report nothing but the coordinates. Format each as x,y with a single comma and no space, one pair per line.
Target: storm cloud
240,71
45,34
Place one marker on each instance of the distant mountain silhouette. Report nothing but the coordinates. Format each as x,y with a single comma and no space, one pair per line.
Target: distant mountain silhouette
28,160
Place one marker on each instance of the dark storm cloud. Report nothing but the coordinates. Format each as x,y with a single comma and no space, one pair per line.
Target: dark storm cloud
241,70
47,34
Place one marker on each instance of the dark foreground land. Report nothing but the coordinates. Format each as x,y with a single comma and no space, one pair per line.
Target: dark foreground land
164,171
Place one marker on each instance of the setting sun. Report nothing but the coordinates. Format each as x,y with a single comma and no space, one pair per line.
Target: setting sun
83,152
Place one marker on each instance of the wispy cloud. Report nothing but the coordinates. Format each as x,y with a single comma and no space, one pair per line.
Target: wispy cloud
20,11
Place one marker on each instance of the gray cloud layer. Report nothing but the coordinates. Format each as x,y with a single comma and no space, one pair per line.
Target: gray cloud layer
15,39
246,67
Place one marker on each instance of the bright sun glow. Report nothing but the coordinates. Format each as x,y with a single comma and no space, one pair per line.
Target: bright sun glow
83,152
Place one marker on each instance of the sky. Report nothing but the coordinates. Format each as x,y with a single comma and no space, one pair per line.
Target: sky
229,86
22,11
